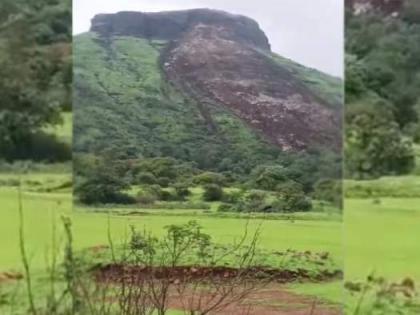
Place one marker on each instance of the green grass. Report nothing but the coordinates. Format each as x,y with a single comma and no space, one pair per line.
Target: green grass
327,87
390,186
382,238
331,292
90,229
381,233
40,210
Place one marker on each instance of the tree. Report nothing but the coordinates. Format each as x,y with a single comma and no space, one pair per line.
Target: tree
212,192
267,177
329,190
209,178
292,198
181,191
35,70
375,145
102,185
146,178
382,91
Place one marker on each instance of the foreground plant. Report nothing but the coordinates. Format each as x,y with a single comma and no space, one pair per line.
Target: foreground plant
381,297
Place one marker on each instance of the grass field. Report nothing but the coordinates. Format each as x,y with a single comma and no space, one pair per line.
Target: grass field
381,232
43,208
382,238
90,229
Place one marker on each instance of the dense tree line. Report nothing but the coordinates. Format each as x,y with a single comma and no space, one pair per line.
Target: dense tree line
382,91
267,188
35,76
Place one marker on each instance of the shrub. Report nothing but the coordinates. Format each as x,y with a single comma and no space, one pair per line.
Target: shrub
37,147
155,190
212,192
293,197
146,178
181,191
233,197
146,197
163,181
224,207
255,201
267,177
329,190
210,178
103,185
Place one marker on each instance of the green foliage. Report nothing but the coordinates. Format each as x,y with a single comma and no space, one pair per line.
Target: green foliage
146,178
35,70
292,198
289,197
38,146
329,190
149,197
102,185
375,145
268,177
206,178
181,191
255,201
212,192
382,92
326,87
123,102
384,187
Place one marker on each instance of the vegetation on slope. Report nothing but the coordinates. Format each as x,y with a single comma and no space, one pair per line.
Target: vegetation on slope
329,88
382,93
126,113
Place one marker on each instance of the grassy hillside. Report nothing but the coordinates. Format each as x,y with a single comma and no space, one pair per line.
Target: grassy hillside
325,86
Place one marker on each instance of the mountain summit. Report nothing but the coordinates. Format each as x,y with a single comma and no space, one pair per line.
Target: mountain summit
173,24
198,85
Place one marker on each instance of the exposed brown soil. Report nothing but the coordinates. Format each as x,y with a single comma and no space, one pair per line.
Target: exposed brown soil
266,300
273,300
10,276
210,65
114,272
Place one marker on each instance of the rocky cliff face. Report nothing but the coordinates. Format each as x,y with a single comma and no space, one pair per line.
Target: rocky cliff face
224,60
173,24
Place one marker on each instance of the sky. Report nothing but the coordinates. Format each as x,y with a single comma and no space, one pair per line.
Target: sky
307,31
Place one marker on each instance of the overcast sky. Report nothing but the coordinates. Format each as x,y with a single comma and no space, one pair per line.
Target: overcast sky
307,31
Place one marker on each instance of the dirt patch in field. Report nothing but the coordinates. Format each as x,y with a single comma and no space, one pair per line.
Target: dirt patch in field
114,272
273,300
10,276
270,299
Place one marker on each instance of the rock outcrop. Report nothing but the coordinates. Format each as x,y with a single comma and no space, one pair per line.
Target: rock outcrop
171,25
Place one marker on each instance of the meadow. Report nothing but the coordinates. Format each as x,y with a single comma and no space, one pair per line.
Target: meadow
379,234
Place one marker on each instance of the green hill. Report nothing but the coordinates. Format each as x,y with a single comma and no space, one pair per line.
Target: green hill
123,101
